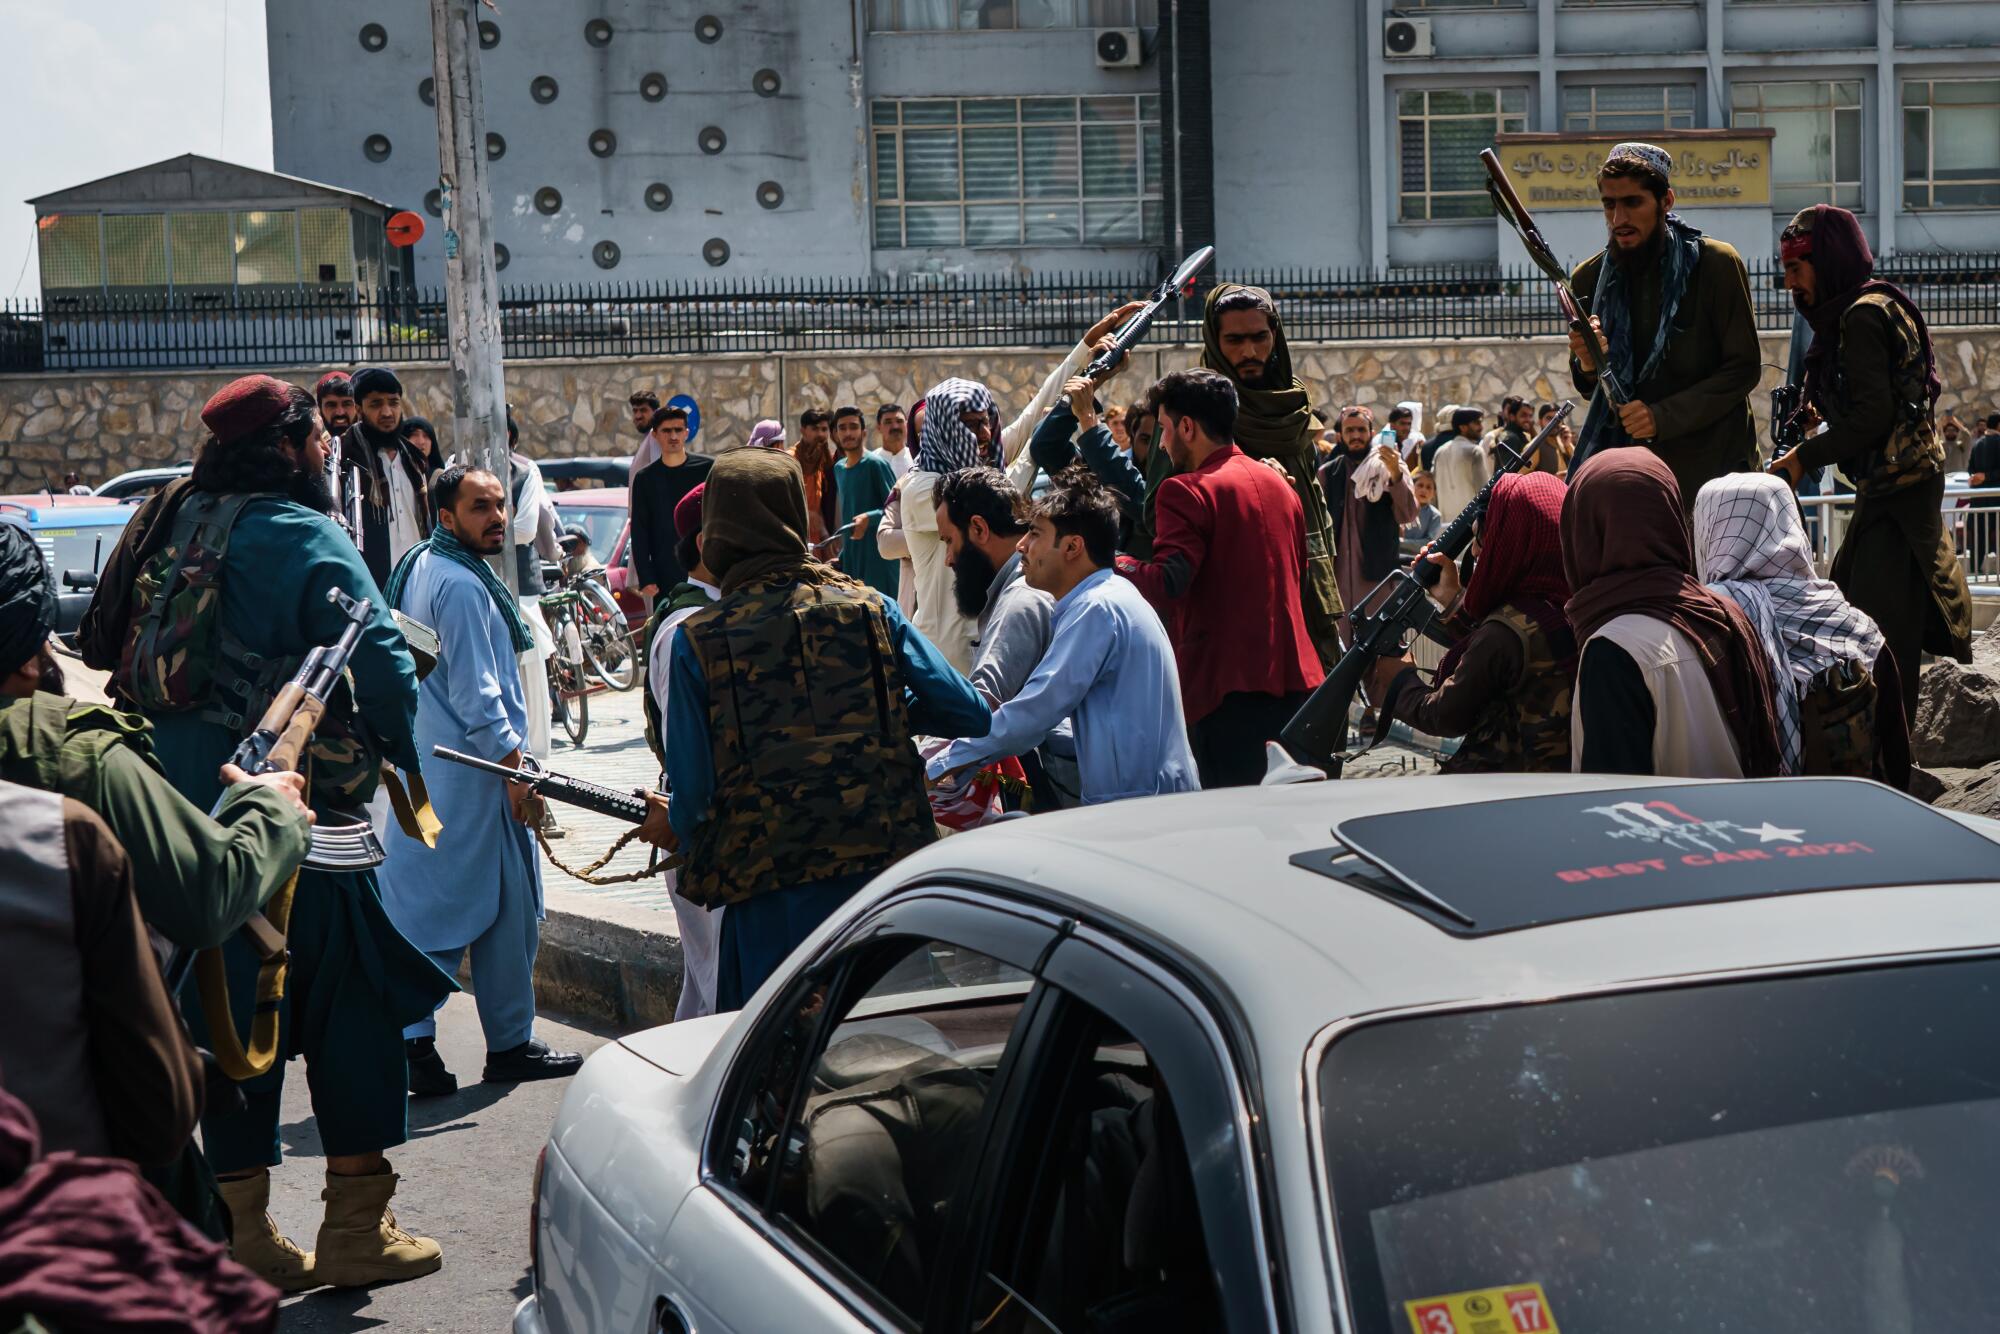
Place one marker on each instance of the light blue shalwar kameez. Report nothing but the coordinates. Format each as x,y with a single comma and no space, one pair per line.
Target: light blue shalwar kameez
481,887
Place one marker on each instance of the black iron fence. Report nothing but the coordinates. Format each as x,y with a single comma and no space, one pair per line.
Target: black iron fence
305,327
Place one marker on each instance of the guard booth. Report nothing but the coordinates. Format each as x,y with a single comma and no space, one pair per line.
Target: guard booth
1721,180
195,262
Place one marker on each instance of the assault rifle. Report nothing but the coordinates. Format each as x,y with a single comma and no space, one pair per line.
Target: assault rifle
1788,429
1178,284
1515,214
1318,731
627,806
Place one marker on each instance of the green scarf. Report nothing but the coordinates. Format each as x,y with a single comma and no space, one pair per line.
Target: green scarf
443,544
753,523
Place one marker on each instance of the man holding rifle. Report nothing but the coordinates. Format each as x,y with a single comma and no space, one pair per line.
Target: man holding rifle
269,554
481,888
1671,308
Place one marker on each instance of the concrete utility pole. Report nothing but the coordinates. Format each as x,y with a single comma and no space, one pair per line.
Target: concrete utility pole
472,285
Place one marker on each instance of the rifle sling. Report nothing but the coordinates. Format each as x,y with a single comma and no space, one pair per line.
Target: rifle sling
212,979
414,815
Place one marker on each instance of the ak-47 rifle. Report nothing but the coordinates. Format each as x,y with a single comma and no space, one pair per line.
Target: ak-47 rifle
1318,731
1177,284
278,745
1507,203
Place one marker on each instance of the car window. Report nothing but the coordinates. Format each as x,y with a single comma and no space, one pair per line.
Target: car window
77,547
600,522
863,1147
1099,1229
1783,1154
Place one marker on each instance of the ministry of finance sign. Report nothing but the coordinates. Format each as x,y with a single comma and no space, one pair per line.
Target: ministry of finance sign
1712,168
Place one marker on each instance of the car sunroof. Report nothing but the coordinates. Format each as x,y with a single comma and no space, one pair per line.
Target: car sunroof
1488,867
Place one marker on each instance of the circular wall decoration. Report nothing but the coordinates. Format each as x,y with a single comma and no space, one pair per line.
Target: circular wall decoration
716,251
770,194
500,257
713,140
605,254
653,87
377,147
766,83
374,37
543,89
603,143
597,32
496,147
489,34
427,92
434,203
708,29
548,199
658,197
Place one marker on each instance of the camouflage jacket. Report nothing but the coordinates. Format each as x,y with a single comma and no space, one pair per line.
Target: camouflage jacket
1880,426
815,774
1508,696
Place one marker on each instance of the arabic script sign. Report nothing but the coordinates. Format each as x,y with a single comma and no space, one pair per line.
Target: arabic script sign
1559,171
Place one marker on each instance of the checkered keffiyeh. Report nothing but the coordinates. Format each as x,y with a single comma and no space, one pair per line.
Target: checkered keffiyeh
1751,546
945,444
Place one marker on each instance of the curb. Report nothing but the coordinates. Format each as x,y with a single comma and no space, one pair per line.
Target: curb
605,962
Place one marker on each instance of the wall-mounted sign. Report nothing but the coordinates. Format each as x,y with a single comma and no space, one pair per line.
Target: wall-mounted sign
1712,168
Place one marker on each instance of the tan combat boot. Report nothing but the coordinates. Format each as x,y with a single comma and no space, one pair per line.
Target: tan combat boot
256,1243
359,1242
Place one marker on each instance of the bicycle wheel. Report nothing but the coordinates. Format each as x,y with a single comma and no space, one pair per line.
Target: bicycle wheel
576,712
607,645
569,695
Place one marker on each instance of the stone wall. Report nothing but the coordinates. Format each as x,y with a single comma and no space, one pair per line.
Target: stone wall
101,424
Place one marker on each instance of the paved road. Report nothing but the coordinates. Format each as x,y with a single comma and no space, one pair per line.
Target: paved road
466,1176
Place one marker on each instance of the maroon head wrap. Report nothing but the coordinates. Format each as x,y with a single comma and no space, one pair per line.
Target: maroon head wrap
1521,561
1626,548
1845,267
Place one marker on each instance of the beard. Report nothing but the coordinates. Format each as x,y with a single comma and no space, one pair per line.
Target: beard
971,575
1644,255
309,487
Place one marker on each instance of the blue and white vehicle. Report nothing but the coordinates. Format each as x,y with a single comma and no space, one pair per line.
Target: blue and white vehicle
1502,1055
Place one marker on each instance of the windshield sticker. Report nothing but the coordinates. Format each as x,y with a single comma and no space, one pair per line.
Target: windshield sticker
1521,1308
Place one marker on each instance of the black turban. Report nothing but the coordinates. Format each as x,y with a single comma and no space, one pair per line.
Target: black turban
27,599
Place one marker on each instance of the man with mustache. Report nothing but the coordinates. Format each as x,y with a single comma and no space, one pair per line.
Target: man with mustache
1672,309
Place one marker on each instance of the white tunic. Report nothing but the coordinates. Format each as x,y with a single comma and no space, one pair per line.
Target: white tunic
1691,738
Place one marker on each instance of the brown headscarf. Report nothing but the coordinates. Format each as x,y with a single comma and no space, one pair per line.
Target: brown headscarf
1626,548
753,522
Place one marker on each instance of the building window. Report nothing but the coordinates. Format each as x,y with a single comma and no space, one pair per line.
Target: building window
72,251
1622,107
267,247
975,15
1416,5
1005,171
135,249
1951,144
1442,131
1816,153
199,244
324,253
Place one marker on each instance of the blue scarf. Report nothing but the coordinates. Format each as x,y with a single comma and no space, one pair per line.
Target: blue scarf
1612,304
443,544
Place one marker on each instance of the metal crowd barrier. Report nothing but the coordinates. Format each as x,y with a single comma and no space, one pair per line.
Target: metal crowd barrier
1971,517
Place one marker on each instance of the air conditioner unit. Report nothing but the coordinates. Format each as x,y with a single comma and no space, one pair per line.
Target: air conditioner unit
1118,48
1406,37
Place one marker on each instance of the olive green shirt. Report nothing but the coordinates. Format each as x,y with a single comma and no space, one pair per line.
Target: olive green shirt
197,879
1700,392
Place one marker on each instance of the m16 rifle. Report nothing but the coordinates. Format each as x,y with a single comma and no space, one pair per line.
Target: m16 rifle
547,783
1177,284
1788,428
1390,618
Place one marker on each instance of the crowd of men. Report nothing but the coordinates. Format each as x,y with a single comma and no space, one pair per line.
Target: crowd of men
854,646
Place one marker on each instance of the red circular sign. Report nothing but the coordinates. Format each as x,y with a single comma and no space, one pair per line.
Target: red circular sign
405,228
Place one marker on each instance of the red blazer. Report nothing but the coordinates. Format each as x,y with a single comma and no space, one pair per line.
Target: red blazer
1229,549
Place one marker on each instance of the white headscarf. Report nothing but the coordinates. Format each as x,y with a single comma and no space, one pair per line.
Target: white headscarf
1750,545
947,444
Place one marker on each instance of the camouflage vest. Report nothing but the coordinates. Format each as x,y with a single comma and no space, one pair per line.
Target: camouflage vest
684,595
1837,723
1912,453
815,773
1525,730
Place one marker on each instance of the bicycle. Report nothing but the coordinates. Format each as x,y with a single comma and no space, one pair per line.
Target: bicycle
569,684
609,647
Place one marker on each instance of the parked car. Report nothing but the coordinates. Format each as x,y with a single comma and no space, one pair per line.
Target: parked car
571,474
75,540
1614,1054
139,483
605,516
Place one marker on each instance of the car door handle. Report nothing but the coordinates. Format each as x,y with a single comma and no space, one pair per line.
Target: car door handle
669,1318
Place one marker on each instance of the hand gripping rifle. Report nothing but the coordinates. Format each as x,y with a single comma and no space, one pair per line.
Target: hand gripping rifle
1318,731
627,806
1178,284
1515,214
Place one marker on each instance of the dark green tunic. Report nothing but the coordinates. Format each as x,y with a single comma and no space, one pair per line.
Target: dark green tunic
1700,393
